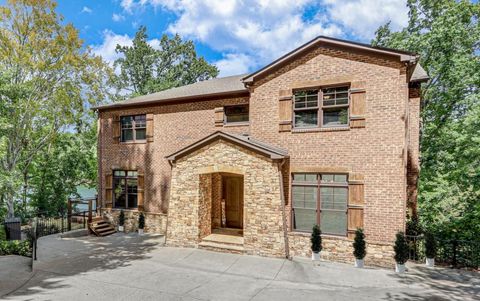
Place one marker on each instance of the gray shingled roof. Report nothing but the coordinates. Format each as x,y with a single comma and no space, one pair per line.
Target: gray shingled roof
419,74
211,87
266,149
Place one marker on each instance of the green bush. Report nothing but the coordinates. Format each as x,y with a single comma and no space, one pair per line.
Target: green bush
430,245
121,218
359,246
15,247
3,235
316,239
141,221
401,248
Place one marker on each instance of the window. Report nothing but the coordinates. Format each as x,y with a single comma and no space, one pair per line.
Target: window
320,199
125,185
331,111
133,128
236,114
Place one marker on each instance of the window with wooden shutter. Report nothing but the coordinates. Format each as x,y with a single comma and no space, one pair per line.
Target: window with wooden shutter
150,127
358,104
116,129
108,190
219,116
285,110
356,203
140,190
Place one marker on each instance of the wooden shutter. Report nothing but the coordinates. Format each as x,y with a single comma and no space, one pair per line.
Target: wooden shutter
140,190
219,115
285,110
356,203
116,129
108,190
150,126
358,104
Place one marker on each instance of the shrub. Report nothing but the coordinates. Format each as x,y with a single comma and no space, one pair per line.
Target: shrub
401,248
359,246
316,239
141,221
15,247
3,235
430,245
121,218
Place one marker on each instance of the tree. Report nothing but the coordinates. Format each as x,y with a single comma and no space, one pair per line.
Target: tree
316,239
145,69
446,34
48,80
401,248
359,246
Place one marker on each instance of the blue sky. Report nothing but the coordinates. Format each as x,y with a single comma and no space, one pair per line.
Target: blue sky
238,36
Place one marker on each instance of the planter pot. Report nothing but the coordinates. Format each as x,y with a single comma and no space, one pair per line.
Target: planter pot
430,262
140,232
399,268
120,229
315,256
358,263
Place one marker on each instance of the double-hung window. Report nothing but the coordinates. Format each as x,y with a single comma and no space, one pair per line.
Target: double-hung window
125,188
236,114
133,128
320,199
327,107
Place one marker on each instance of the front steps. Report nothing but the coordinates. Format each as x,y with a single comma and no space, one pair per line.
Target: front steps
100,227
223,243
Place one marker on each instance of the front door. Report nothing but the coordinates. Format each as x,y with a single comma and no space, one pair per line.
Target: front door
233,195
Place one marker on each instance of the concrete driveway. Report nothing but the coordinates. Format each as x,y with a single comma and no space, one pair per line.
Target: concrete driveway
129,267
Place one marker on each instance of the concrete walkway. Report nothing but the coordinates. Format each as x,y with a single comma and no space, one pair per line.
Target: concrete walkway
129,267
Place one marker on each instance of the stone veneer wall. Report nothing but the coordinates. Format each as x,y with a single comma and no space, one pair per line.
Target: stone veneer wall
216,200
154,222
340,249
205,206
262,203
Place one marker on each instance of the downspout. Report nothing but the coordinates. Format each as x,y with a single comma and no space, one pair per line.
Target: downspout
166,224
284,214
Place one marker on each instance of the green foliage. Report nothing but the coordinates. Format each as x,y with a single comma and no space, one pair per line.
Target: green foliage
430,245
145,69
359,245
3,234
446,33
48,81
401,248
121,218
15,247
141,221
316,239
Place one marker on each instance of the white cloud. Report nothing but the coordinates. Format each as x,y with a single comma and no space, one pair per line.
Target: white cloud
234,63
363,17
86,9
118,17
110,42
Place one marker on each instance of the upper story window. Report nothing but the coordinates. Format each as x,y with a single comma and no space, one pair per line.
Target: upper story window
321,107
236,114
125,189
320,199
133,128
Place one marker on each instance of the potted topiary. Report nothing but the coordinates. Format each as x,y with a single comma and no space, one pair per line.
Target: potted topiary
121,221
316,241
430,249
401,252
141,223
359,248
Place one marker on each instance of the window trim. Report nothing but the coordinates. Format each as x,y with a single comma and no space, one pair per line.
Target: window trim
225,122
320,108
319,184
125,178
134,129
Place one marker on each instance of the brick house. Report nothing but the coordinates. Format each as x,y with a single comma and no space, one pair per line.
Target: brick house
328,134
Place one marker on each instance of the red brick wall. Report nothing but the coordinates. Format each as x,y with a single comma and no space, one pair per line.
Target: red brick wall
376,151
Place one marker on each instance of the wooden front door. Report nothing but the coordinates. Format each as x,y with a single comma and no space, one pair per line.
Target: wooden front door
233,195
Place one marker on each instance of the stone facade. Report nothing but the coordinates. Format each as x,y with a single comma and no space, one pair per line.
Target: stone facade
385,152
190,198
154,222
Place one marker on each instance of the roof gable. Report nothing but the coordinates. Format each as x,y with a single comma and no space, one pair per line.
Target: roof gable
247,142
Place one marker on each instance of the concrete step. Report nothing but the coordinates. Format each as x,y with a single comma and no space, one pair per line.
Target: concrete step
222,239
219,247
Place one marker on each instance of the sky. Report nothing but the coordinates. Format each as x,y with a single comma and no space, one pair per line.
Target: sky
238,36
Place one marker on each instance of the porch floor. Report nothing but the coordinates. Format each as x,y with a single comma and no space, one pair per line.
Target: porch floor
223,242
228,231
224,239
